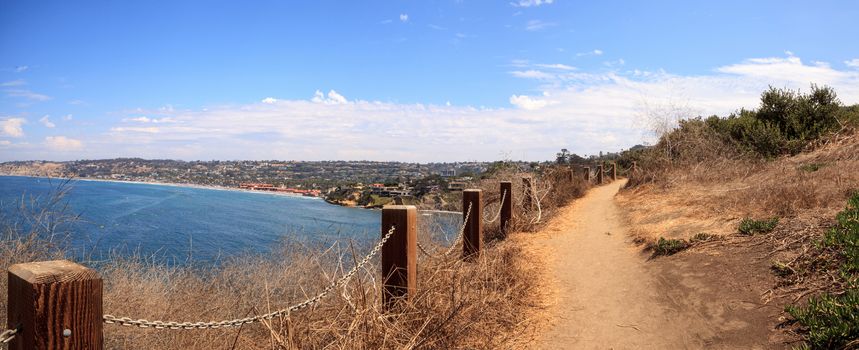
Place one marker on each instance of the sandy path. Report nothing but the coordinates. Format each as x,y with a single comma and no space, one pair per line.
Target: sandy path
606,297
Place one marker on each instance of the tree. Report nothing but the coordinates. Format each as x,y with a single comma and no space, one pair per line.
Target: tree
563,157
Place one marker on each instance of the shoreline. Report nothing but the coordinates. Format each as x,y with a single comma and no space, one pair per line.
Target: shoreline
172,184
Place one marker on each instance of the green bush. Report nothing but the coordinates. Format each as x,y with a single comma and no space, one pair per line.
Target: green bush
832,321
702,237
669,246
751,226
845,236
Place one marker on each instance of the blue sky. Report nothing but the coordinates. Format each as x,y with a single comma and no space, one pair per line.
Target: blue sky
409,81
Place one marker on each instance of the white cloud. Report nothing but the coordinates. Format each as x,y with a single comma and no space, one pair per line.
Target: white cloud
533,74
436,27
556,66
20,69
269,100
854,63
67,117
595,52
527,102
46,121
5,142
62,143
27,94
585,112
404,17
145,119
149,130
13,127
529,3
332,99
536,24
17,82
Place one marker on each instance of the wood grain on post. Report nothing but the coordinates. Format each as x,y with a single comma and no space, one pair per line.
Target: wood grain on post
472,237
600,174
587,174
527,193
399,254
50,298
506,207
613,171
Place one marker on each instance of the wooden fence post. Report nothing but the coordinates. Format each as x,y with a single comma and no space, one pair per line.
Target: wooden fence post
506,206
399,254
613,171
56,305
600,174
587,174
472,237
527,193
570,175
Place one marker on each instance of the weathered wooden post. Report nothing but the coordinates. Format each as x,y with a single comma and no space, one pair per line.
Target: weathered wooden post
570,175
600,174
55,305
506,206
399,254
613,171
527,193
587,174
472,237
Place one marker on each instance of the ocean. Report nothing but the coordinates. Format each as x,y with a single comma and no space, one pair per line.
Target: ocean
178,225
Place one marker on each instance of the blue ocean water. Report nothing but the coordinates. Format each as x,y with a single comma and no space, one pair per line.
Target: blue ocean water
174,223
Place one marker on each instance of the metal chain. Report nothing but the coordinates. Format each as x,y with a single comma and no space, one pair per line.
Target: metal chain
461,230
501,206
7,335
143,323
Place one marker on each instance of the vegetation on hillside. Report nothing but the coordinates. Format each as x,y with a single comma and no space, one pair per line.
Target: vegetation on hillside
792,159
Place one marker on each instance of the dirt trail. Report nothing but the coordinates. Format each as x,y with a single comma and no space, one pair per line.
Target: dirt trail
608,295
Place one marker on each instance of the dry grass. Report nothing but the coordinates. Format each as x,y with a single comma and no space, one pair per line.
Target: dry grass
487,303
712,196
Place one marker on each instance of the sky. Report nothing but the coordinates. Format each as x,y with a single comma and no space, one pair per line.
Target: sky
415,81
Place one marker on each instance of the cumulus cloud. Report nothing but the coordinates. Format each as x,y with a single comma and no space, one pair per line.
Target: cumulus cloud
333,98
269,100
529,3
527,102
854,63
13,127
62,143
582,111
46,121
404,17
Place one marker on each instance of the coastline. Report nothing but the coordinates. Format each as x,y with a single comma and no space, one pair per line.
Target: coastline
171,184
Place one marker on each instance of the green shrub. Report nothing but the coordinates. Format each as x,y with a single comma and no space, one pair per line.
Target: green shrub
702,237
845,235
811,167
668,246
832,321
751,226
